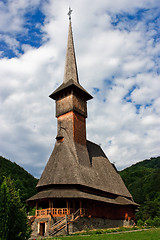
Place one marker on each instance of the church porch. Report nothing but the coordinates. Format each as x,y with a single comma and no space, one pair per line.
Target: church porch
59,208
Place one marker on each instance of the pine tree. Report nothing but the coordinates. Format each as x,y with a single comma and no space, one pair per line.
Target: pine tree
13,218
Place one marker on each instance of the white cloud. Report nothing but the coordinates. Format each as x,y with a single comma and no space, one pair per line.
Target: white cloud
12,14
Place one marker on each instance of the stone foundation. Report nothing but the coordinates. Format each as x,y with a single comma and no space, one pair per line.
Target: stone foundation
97,223
82,224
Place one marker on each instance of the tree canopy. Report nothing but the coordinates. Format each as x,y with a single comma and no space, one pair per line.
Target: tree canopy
23,181
13,218
143,182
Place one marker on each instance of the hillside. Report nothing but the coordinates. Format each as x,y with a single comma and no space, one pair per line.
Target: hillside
24,181
143,181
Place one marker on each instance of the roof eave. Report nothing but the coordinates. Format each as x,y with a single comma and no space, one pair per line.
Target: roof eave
63,87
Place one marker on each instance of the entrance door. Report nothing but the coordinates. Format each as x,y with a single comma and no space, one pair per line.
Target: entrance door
42,229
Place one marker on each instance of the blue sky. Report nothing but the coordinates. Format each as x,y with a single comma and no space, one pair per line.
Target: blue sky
117,47
30,34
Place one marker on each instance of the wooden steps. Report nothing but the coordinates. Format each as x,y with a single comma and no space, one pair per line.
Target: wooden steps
65,221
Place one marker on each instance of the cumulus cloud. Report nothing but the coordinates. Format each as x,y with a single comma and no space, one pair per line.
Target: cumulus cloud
117,54
12,13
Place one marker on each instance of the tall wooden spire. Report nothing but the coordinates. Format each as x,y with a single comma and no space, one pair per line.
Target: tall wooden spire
70,72
70,80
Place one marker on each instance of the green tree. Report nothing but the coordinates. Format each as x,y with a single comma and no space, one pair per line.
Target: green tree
24,182
143,181
13,218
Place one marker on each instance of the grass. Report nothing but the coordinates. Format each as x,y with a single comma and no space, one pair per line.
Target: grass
150,234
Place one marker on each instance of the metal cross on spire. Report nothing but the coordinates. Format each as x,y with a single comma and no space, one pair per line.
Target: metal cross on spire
69,13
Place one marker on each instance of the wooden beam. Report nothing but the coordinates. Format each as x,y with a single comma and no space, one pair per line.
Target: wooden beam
80,203
66,224
50,203
68,210
74,206
36,208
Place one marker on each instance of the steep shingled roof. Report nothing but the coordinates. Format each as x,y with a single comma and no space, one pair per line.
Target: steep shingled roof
71,163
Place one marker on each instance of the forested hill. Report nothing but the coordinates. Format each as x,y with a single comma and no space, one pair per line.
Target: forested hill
23,181
149,163
143,182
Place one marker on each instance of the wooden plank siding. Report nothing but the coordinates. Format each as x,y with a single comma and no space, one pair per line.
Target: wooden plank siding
111,211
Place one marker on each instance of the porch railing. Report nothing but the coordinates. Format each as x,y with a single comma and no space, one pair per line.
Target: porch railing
56,212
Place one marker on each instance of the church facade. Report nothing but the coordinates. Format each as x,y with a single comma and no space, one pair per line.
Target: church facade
79,187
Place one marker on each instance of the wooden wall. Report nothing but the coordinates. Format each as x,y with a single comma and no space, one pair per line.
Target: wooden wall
110,211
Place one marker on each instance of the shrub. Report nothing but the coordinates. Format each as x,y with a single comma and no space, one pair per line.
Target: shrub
140,222
99,231
149,222
156,222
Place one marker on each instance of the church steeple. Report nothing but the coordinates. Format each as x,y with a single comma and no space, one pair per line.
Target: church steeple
70,72
78,173
71,98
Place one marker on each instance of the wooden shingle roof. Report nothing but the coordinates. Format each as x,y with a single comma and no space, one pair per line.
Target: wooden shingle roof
75,193
73,85
72,163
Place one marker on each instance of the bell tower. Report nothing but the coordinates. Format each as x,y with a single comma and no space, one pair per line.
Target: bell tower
71,99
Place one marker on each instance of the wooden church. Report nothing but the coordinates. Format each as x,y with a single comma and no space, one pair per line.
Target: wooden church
79,187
